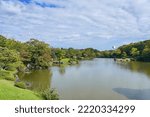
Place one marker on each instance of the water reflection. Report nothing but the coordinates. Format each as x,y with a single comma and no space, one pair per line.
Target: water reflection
39,79
62,70
136,94
140,67
94,79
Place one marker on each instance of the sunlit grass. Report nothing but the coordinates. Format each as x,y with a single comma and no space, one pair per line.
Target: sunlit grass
9,92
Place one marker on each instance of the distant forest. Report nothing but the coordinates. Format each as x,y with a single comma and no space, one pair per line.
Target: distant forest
139,51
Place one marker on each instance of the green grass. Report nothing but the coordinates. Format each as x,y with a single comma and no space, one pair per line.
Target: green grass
20,85
65,61
9,92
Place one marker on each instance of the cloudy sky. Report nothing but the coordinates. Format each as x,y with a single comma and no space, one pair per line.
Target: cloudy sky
76,23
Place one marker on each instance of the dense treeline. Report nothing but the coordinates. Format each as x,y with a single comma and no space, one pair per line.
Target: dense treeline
35,54
74,54
137,51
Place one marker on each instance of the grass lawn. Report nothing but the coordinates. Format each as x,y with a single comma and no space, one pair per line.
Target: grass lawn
9,92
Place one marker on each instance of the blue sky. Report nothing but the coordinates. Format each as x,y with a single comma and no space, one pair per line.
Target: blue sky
76,23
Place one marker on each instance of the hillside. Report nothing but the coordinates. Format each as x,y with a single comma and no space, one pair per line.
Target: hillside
139,51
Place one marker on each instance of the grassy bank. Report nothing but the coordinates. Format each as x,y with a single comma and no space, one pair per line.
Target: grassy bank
16,90
9,92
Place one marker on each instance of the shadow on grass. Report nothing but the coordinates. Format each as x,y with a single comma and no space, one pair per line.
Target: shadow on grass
134,94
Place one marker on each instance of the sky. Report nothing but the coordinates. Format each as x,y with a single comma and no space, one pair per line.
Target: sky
99,24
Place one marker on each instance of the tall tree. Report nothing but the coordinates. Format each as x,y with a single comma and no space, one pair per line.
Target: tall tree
40,54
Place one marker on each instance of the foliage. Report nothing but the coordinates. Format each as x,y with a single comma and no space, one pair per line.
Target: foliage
134,52
40,54
146,54
8,75
65,60
124,55
20,85
106,54
137,51
9,59
117,53
34,53
50,94
74,54
9,78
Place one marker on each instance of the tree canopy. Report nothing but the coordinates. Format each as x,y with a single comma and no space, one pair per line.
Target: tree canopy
36,54
139,51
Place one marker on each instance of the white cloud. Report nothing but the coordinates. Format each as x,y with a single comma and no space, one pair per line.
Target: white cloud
77,23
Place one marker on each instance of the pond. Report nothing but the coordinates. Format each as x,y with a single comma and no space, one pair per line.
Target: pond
97,79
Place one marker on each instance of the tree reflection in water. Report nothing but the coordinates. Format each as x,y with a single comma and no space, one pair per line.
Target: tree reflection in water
39,79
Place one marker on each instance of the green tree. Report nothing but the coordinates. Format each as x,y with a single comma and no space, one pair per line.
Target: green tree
146,54
124,55
117,53
9,59
40,54
134,52
60,54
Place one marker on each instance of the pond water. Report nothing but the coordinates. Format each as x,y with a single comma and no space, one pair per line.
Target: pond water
96,79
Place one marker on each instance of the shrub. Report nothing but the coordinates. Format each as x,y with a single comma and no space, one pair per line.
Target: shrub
50,94
8,75
9,78
20,85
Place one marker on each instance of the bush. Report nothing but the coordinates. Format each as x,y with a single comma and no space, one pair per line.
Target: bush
9,78
73,61
50,94
6,74
20,85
